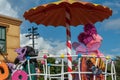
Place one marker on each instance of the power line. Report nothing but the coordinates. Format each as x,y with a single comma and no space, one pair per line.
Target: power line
33,34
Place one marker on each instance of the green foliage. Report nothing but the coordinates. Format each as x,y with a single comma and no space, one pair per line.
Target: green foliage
117,66
55,70
109,70
51,60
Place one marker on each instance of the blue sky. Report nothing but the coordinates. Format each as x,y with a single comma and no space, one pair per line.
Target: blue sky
53,39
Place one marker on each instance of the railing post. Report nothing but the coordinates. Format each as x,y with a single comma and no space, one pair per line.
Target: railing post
28,61
106,63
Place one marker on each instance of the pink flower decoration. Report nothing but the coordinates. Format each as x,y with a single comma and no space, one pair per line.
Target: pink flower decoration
45,56
42,62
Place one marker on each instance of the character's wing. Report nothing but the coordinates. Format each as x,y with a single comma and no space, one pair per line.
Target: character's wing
75,45
79,47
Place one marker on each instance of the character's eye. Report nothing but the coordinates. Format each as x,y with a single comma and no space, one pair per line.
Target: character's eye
23,50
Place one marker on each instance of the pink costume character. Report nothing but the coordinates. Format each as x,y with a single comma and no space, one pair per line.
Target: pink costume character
89,42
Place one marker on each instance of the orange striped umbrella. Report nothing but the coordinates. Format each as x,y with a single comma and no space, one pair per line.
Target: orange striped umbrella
68,13
80,13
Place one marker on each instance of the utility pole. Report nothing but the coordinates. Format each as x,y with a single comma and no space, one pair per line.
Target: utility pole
33,35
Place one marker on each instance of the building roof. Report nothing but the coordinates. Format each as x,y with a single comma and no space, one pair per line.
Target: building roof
9,20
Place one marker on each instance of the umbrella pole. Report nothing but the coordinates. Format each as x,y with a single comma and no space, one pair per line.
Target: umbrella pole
68,44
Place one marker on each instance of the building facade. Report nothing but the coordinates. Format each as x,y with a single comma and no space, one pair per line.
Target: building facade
9,37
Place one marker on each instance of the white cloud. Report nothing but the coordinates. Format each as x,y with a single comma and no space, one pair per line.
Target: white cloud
116,50
6,9
113,24
107,54
46,46
115,4
113,52
53,47
86,0
41,43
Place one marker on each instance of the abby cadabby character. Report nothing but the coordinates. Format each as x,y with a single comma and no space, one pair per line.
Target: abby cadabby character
20,62
89,43
23,53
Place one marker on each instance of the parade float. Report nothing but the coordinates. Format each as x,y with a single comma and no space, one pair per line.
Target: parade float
91,64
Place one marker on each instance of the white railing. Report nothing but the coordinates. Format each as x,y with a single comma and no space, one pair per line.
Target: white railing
63,58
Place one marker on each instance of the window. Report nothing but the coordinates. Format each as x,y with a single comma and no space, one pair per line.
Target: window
2,39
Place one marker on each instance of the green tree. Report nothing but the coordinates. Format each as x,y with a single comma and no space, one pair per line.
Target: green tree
52,68
117,66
